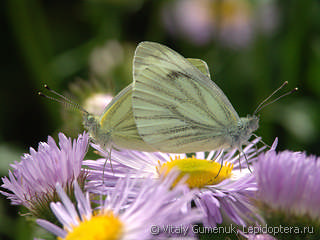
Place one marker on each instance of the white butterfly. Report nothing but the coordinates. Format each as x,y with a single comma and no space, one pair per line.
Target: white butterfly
178,108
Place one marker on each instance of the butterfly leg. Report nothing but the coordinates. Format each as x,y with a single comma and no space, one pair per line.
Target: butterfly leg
110,159
260,140
105,163
245,156
220,155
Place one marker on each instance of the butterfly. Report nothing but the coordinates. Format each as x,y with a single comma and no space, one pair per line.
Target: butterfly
177,108
172,106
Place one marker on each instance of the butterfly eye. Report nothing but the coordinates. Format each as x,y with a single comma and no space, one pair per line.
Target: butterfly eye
91,119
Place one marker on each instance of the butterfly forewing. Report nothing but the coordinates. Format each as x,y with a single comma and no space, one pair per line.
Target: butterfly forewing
176,107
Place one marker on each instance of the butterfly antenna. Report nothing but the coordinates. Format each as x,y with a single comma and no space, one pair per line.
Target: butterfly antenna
286,94
63,100
52,98
66,104
274,92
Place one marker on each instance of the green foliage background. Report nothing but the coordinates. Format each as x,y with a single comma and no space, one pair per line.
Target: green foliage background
51,42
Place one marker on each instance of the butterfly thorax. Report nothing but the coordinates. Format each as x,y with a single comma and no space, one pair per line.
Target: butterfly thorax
92,124
241,133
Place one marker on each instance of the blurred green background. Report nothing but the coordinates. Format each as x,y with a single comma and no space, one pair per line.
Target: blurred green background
251,47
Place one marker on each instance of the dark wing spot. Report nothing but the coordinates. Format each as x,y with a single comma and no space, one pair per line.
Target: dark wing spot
175,74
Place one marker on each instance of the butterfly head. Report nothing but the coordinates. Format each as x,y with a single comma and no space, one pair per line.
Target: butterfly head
91,123
252,122
241,133
97,133
248,125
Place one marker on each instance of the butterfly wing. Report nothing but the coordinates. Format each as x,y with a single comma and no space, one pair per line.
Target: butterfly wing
117,121
201,65
176,107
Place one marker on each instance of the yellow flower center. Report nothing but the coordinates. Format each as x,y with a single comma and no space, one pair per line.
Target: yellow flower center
100,227
201,172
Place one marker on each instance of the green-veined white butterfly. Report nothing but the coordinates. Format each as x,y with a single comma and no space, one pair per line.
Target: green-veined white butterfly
179,109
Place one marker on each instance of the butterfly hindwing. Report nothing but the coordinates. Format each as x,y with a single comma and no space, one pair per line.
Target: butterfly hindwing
201,65
118,121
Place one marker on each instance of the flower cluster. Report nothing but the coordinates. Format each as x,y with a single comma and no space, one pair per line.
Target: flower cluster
33,179
153,206
223,188
288,192
233,23
156,195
